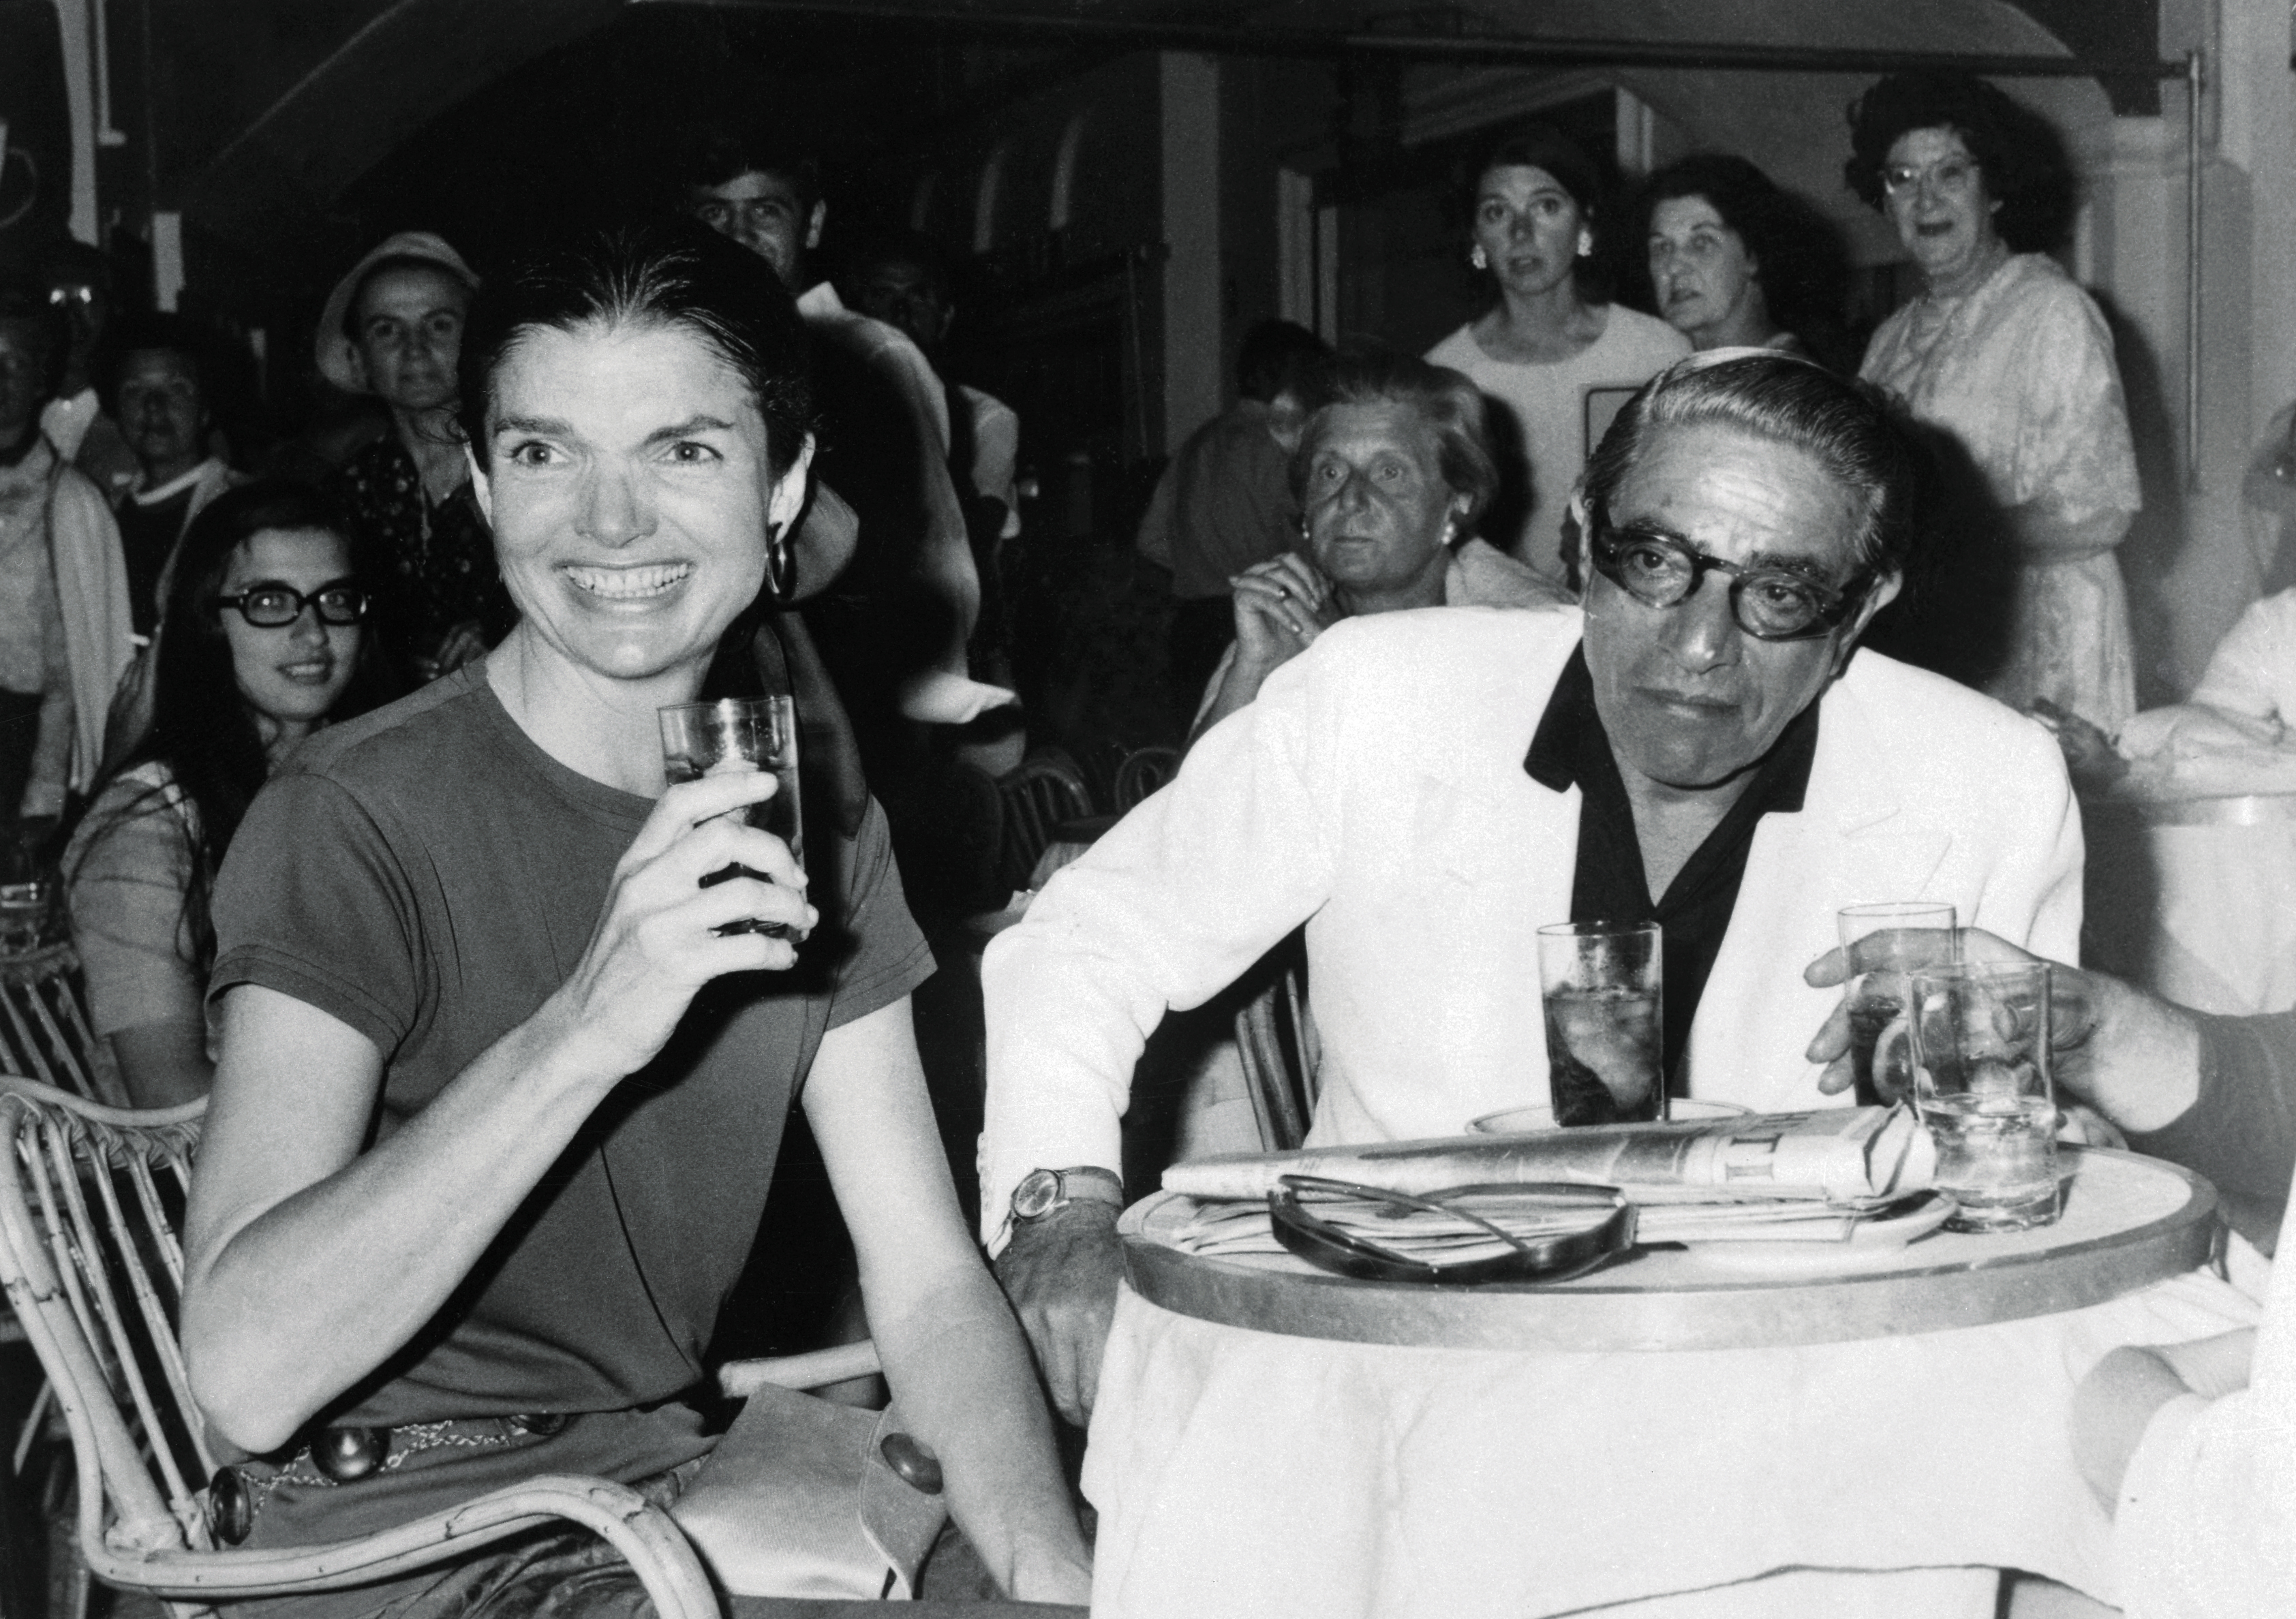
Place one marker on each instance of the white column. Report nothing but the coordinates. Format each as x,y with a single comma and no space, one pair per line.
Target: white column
72,21
1190,87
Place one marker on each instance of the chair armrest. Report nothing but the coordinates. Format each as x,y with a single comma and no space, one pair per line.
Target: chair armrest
644,1535
739,1380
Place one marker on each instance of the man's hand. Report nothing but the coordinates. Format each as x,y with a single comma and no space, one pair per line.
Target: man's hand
458,646
2122,1394
2135,1059
1061,1273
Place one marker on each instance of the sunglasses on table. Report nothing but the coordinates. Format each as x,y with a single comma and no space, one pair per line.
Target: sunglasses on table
1590,1226
273,606
1770,603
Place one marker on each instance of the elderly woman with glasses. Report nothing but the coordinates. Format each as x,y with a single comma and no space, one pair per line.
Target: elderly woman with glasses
1393,468
263,640
2012,362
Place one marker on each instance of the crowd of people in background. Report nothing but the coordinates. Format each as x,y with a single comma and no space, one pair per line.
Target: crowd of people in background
174,629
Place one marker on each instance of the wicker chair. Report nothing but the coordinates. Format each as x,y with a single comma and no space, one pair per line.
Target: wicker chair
43,1028
89,1197
1276,1036
1142,771
1045,792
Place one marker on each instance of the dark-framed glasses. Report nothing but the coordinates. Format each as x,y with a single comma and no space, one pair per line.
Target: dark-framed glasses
1578,1228
269,605
1944,174
1770,603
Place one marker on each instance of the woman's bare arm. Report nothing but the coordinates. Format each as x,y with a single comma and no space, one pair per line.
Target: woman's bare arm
308,1261
952,1351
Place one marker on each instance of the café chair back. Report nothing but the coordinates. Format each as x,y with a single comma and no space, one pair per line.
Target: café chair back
91,1205
44,1027
1142,771
1045,791
1276,1035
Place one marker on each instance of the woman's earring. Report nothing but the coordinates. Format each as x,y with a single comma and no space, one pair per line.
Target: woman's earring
1585,243
781,564
1477,257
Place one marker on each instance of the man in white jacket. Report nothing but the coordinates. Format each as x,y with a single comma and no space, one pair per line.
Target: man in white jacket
1424,790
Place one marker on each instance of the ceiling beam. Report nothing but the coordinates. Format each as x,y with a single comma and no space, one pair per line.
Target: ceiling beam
1521,50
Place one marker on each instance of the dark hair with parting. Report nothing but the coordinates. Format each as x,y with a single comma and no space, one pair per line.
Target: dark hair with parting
1451,403
1792,246
1543,146
716,154
155,331
201,729
2023,160
1855,432
673,272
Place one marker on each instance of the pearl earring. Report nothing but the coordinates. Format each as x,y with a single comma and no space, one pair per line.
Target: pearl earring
1586,244
1476,257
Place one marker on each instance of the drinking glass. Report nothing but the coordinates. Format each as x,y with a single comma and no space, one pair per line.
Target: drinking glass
1981,1045
1605,1037
1877,999
737,733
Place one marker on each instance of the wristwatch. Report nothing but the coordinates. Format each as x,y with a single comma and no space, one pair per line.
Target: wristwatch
1043,1191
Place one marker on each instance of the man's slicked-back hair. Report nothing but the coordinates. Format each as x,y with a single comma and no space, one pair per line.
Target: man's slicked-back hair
673,273
1276,355
720,154
1451,403
1854,430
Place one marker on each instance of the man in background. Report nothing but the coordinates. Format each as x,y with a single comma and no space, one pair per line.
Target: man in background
153,386
1225,503
79,279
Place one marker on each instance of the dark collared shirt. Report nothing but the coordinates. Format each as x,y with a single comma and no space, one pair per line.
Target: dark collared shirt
1609,884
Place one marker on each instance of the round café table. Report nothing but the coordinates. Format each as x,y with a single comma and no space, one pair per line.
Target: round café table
2193,896
1705,1431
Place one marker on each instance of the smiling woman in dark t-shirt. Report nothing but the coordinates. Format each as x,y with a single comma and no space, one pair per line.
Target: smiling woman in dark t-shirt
498,1102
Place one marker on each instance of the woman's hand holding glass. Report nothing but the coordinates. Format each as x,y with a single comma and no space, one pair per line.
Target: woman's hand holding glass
1281,606
662,934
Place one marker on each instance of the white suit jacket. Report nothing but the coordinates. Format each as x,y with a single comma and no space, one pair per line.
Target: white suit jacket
1375,790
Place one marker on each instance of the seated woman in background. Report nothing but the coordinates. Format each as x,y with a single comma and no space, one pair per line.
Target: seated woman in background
1733,262
263,640
1393,468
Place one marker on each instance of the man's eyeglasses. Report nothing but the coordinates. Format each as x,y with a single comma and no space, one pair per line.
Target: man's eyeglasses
273,606
1769,603
1589,1227
1945,174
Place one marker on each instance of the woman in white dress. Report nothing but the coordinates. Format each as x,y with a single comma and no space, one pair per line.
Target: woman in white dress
1555,361
2008,357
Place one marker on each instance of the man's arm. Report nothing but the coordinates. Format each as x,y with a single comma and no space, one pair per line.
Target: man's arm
308,1262
952,1352
1168,908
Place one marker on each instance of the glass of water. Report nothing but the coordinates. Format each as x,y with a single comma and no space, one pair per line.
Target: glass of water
741,734
1879,1050
1980,1049
1605,1039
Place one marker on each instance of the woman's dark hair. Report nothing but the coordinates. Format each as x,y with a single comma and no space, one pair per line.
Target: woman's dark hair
1452,404
674,271
201,729
2023,160
1543,146
1799,251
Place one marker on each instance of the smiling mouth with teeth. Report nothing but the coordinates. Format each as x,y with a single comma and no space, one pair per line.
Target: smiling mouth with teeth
628,584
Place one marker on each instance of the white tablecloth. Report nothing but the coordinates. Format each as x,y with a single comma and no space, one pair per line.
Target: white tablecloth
1247,1474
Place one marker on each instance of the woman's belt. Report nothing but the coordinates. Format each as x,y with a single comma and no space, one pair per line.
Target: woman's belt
346,1454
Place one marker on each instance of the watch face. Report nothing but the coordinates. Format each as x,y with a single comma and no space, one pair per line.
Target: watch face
1038,1191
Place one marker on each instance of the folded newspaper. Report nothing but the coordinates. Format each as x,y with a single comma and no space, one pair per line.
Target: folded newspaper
1780,1177
1839,1154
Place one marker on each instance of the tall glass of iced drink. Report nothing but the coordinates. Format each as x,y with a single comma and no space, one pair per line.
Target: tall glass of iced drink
1604,1038
1911,933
